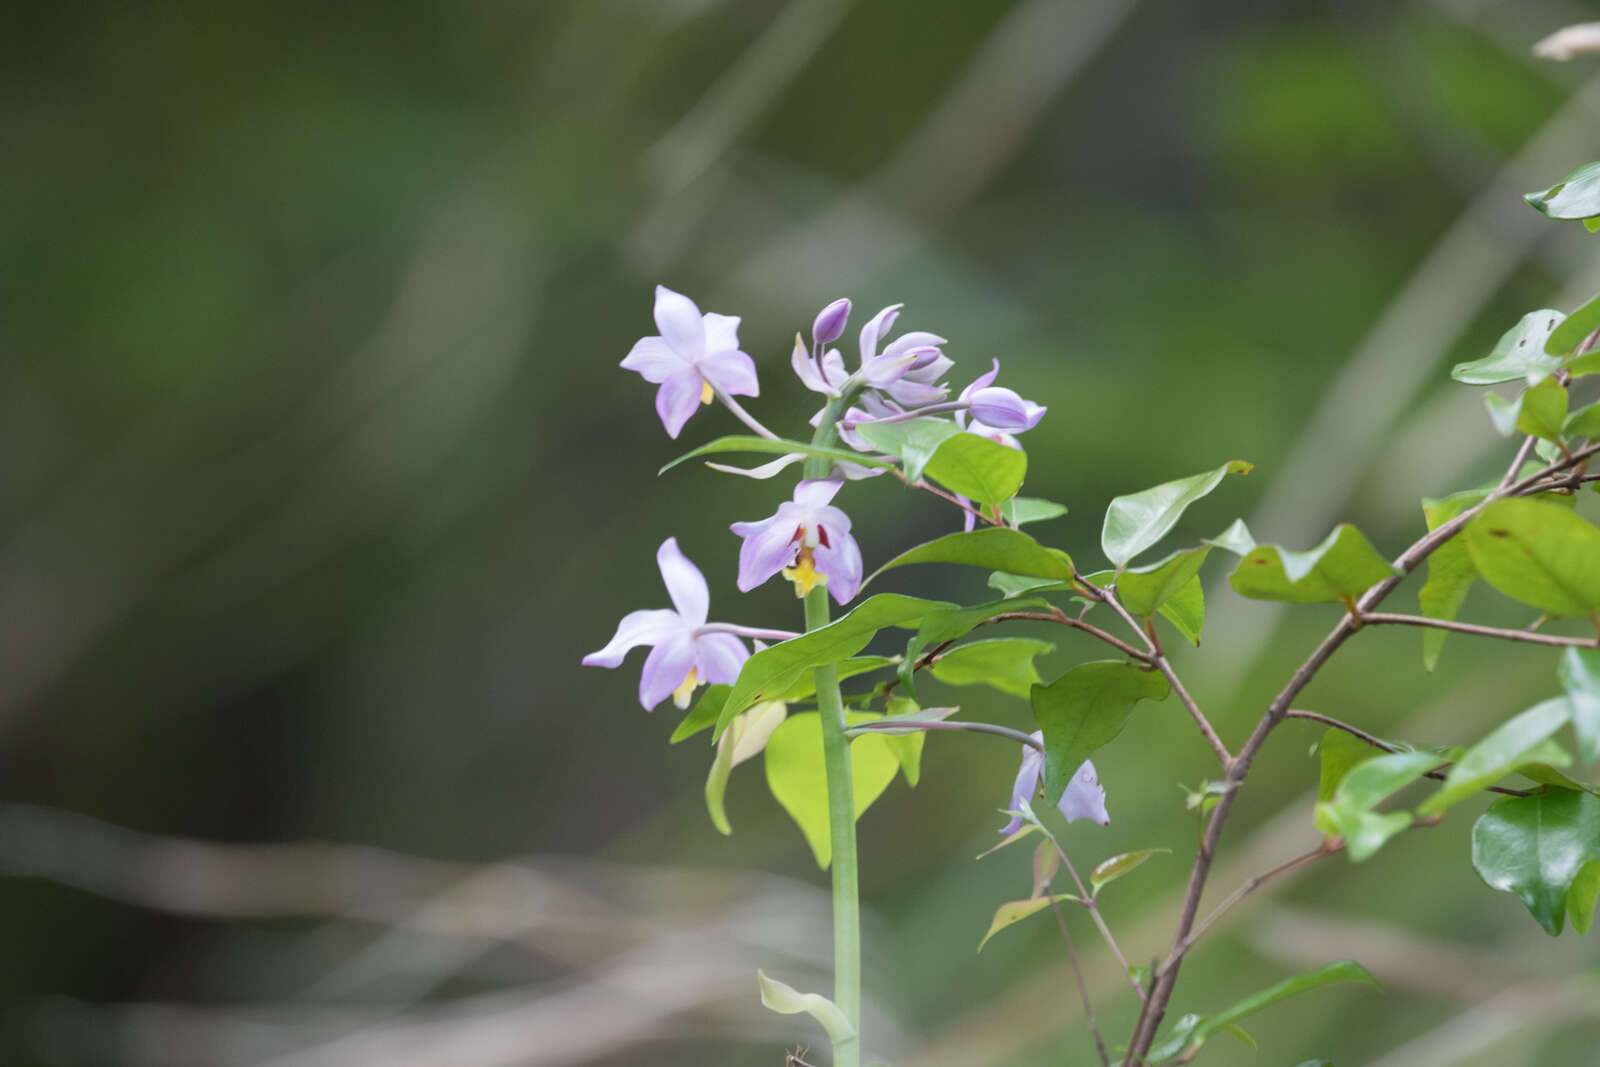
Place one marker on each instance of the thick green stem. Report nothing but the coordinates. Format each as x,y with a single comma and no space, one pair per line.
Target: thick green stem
841,801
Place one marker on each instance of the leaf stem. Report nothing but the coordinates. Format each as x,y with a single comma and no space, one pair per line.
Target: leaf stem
745,417
1379,743
953,725
1088,901
1077,971
1526,636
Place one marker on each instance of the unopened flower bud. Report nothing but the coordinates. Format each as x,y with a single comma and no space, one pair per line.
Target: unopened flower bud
829,324
1003,409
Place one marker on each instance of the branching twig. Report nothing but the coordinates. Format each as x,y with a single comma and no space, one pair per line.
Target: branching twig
1077,971
1386,619
1099,920
1327,848
948,724
1378,742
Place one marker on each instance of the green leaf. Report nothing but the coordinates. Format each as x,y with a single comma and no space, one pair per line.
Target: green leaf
1085,709
1341,568
1503,413
785,1000
1017,910
1236,539
1019,511
1110,870
1578,325
778,669
1192,1031
1186,609
1143,590
1579,673
947,625
1350,815
1011,585
744,443
1135,522
703,715
806,687
1450,572
1536,847
1585,422
1518,742
744,738
1337,752
799,780
978,468
1004,663
1543,410
1518,354
1577,196
914,441
995,548
1582,895
1538,553
1584,365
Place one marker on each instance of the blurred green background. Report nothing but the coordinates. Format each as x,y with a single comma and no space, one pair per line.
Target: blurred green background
318,477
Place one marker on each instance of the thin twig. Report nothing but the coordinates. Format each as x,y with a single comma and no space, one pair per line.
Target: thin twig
948,724
1525,636
1157,657
1088,901
942,495
1249,886
1077,971
1523,451
1378,742
1061,618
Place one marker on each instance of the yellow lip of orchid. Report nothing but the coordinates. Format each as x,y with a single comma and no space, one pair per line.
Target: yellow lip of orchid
682,695
706,393
804,573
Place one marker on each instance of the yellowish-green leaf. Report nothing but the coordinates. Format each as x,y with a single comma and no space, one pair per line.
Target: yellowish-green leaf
1110,870
1017,910
786,1000
1538,553
799,780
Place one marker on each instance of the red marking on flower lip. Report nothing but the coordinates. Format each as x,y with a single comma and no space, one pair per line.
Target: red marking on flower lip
799,534
822,536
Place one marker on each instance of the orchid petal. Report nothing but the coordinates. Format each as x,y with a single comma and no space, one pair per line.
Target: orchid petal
766,470
722,332
816,493
932,370
685,584
665,669
876,329
1004,410
805,368
718,658
829,323
982,381
1084,797
769,546
915,394
636,628
915,339
680,322
731,371
833,371
678,398
840,560
1026,784
654,359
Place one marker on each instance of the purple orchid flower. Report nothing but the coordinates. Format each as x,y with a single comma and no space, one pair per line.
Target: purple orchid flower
996,412
807,539
692,358
685,652
1084,798
828,326
908,369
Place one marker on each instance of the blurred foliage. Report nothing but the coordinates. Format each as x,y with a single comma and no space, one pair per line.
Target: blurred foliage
319,476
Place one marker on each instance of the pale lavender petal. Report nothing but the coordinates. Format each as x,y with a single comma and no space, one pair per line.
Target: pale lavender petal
833,371
722,331
685,584
763,472
982,381
680,322
855,472
928,371
915,339
832,518
636,628
769,546
1084,797
654,359
915,394
718,658
881,371
731,371
1004,410
840,560
968,519
1026,784
816,493
805,368
677,399
666,668
876,329
829,323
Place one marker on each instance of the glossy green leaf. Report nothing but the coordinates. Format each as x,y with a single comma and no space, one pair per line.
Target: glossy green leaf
778,669
1013,837
1192,1031
1003,663
1013,585
744,738
704,715
1135,522
1350,815
1110,870
1536,847
1582,895
1021,510
1522,740
978,468
806,687
1341,568
1579,673
1578,325
914,441
938,627
1519,354
1543,410
1236,539
1503,413
1584,365
994,548
1337,752
785,1000
1017,910
744,443
1585,422
1143,590
1185,609
1450,572
799,780
1085,709
1538,553
1577,196
1545,774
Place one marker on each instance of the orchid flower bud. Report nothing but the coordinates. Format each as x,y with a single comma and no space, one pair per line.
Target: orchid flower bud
829,324
1003,409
